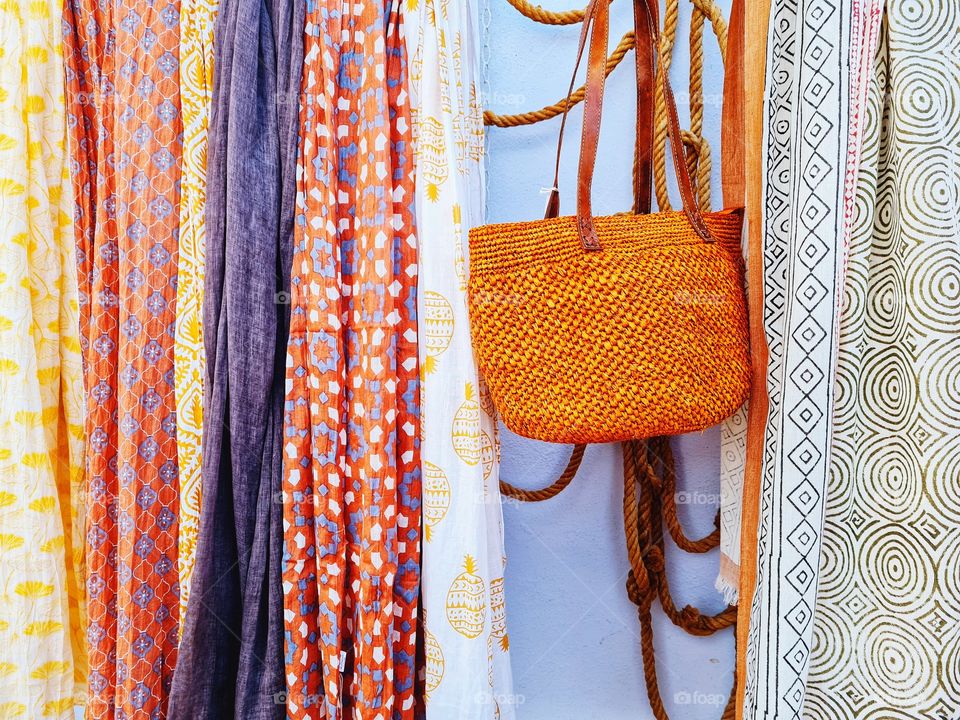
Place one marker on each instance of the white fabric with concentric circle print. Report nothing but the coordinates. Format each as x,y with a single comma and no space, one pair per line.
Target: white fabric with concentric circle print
886,641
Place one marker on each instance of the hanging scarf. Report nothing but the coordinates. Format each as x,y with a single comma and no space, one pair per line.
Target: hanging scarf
196,87
42,645
124,108
811,146
231,657
888,591
351,458
464,615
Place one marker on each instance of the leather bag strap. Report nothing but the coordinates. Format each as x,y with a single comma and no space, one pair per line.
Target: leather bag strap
592,111
553,203
643,150
596,25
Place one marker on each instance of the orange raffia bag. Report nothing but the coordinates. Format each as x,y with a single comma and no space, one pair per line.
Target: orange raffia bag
613,328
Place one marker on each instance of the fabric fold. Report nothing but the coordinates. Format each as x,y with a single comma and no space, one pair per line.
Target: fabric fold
811,150
125,132
351,485
231,655
196,89
805,157
43,656
883,646
745,520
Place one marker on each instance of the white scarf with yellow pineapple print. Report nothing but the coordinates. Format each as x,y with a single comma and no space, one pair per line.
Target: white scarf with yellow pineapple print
468,664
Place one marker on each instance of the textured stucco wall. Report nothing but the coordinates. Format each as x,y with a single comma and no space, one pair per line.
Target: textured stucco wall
574,635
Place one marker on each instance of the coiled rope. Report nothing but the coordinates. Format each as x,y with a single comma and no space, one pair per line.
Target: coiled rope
649,474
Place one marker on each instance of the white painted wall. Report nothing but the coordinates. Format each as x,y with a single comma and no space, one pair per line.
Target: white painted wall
574,635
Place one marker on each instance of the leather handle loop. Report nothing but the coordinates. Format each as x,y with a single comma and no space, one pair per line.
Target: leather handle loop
681,171
596,25
646,75
592,112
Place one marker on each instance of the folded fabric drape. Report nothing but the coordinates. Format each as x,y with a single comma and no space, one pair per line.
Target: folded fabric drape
196,90
351,484
811,149
124,116
464,614
231,656
883,639
43,664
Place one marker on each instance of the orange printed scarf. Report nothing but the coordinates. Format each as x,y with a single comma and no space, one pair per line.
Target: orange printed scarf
351,486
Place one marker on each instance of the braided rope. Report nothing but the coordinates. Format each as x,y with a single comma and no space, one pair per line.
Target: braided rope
696,109
667,36
698,150
547,17
645,513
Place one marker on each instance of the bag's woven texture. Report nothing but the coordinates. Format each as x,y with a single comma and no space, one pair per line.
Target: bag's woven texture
644,338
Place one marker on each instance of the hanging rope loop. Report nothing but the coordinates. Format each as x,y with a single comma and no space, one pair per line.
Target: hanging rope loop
552,490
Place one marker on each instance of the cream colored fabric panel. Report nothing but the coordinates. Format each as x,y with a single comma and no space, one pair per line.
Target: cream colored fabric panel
196,88
885,638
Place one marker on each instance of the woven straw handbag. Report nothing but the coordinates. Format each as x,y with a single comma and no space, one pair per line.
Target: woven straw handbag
613,328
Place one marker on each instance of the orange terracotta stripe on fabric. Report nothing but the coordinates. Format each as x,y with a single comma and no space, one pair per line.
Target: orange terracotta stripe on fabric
756,16
732,153
351,484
